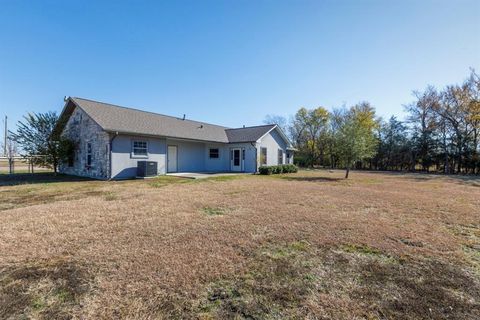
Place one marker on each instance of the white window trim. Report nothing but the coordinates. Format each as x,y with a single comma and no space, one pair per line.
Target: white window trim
138,156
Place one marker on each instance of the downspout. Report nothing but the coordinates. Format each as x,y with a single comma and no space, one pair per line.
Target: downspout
254,145
110,155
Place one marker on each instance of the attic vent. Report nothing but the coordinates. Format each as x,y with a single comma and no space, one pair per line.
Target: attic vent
183,116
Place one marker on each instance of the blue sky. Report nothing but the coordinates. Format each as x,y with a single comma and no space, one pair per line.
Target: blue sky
232,62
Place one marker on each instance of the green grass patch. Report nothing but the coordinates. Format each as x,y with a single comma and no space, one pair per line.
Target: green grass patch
162,181
222,178
470,235
368,251
280,252
38,303
361,249
213,211
63,295
110,196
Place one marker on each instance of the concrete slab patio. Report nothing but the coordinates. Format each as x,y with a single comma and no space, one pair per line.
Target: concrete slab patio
204,175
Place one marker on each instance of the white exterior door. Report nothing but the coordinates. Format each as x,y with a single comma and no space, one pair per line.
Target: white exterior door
172,159
236,159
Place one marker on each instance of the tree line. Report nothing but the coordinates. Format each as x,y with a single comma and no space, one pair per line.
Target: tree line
440,133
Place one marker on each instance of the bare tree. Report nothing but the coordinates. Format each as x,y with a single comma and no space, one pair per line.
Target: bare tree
280,121
422,118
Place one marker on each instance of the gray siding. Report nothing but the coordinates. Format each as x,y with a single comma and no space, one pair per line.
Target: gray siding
81,129
221,164
224,162
124,164
190,155
273,141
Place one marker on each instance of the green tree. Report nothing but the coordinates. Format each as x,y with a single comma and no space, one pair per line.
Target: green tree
356,138
35,136
309,129
394,149
423,125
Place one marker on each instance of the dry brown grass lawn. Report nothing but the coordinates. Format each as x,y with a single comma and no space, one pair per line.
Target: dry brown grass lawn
306,245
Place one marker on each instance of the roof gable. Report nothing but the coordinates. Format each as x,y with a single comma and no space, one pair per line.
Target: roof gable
248,134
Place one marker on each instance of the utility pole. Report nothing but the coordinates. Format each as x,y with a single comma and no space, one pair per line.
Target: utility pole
5,138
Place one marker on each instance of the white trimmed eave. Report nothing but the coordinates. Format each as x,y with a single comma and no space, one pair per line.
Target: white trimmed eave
284,136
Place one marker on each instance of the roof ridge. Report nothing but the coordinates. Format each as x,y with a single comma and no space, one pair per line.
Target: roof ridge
263,125
151,112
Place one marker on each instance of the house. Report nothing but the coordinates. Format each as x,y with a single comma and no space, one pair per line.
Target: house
112,141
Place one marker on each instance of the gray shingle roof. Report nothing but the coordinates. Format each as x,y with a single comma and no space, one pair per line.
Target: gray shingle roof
248,134
115,118
126,120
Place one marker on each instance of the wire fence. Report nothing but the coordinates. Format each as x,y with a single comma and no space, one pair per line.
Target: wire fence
17,164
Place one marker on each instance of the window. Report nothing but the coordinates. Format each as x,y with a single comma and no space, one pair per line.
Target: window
89,154
263,156
236,157
214,154
280,156
70,160
140,149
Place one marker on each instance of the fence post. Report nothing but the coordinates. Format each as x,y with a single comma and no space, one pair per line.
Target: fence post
10,165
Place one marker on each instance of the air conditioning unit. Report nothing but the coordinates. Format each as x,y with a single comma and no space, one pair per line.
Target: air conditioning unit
146,168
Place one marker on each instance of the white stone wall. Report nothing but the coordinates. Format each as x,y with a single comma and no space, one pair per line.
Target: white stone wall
81,129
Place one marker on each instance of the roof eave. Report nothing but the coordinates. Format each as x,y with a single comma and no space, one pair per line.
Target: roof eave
284,136
118,132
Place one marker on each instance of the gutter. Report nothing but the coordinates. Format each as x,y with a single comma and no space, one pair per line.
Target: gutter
110,155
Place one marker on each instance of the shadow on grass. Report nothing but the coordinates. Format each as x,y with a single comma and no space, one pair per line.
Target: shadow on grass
469,180
312,179
49,290
463,179
33,178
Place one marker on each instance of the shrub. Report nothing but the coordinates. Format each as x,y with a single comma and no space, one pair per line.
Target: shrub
267,170
283,168
290,168
276,169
